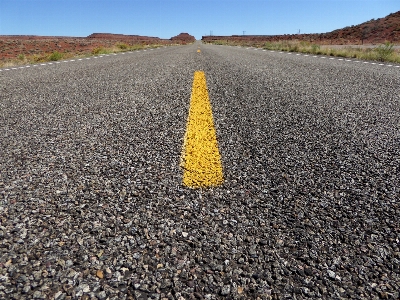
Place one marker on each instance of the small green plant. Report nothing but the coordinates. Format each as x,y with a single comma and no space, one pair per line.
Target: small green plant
384,51
55,56
315,48
21,57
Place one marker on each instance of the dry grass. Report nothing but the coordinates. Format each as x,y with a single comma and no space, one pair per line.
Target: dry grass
384,52
23,59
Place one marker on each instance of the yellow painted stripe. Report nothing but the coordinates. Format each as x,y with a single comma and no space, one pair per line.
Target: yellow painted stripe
201,159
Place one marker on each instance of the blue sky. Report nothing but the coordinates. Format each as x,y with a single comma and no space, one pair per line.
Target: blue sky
166,18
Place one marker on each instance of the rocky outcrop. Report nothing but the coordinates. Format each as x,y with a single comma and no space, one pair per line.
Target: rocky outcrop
371,32
183,37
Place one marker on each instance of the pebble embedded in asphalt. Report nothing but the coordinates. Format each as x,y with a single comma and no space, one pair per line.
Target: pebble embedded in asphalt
91,197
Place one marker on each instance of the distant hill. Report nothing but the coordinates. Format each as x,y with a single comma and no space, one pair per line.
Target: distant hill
123,37
185,37
370,32
13,46
180,38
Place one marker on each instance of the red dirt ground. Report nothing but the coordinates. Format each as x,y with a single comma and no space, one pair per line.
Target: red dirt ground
11,46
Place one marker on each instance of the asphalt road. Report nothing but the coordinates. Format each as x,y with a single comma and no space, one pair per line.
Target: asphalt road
91,196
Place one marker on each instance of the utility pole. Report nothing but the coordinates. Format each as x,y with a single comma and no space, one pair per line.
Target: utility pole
211,33
244,32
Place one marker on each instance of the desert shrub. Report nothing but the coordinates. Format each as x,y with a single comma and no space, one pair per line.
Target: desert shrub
122,46
268,45
98,50
304,44
21,57
39,58
136,47
294,48
315,48
384,51
342,53
367,54
330,52
55,56
274,46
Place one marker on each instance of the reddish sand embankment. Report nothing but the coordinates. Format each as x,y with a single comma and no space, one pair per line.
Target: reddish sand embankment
11,46
371,32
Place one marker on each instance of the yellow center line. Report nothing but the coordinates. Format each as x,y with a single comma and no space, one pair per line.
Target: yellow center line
201,160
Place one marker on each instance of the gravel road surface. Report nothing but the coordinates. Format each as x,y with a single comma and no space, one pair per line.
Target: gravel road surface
92,204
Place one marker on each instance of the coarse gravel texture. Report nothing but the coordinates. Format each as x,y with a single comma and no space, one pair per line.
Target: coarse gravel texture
92,204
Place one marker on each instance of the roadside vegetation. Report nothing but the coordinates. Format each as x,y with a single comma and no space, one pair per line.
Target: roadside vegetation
23,59
384,52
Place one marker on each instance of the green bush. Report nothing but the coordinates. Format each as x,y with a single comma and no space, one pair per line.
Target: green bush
384,51
315,48
55,56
